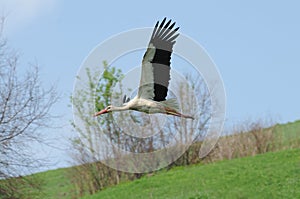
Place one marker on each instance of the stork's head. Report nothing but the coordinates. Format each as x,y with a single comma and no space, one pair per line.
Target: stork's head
106,110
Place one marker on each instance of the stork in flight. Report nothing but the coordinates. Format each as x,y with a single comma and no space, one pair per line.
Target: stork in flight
155,76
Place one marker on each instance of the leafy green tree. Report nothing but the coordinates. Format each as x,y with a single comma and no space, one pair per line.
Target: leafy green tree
96,95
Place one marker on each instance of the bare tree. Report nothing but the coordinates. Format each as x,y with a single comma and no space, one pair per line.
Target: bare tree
195,99
24,111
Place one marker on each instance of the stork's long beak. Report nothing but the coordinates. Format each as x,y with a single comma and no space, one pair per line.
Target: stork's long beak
100,112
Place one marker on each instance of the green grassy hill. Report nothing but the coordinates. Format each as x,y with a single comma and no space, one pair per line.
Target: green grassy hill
56,184
271,175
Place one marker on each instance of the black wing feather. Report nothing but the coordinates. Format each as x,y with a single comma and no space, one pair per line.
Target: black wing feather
163,39
168,30
154,30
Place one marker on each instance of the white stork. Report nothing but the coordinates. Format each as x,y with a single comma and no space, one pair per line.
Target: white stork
155,76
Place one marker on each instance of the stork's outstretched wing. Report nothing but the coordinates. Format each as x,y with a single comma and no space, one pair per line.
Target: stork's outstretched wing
156,62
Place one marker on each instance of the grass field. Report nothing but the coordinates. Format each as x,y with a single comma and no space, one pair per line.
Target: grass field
271,175
56,184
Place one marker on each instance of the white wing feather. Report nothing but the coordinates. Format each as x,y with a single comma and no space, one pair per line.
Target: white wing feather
146,87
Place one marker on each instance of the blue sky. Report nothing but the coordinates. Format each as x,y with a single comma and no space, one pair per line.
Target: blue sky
255,45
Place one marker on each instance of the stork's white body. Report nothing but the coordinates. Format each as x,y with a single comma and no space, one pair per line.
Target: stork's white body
145,105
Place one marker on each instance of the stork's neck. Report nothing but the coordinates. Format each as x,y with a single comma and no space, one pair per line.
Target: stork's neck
120,108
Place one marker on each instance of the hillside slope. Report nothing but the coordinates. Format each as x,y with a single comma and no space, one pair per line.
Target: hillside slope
270,175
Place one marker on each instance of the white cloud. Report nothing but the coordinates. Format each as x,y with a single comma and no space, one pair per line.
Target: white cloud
20,13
